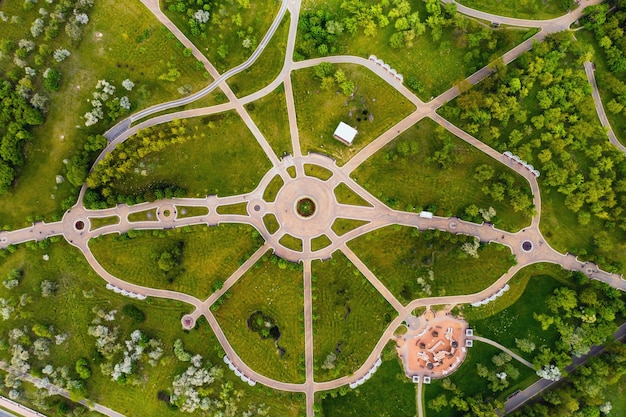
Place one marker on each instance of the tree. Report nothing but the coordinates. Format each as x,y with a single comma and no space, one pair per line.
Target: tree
82,368
134,313
7,174
438,402
525,345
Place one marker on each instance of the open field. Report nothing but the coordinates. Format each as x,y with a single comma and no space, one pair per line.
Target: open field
349,317
278,294
406,175
191,211
270,115
383,104
525,9
320,242
70,312
345,195
343,226
209,256
98,222
222,158
269,195
291,242
415,264
388,393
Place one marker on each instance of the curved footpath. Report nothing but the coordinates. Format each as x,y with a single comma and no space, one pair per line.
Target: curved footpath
378,215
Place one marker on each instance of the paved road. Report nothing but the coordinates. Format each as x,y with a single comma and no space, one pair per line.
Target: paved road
589,70
328,208
520,398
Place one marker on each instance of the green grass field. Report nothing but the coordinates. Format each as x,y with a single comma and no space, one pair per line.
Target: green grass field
239,208
267,66
388,393
270,222
273,188
114,56
222,158
349,317
320,242
278,293
209,255
317,171
142,216
406,182
345,195
523,9
70,311
385,105
270,115
98,222
343,226
191,211
291,242
413,264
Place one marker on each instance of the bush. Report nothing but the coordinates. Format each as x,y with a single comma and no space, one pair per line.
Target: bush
134,313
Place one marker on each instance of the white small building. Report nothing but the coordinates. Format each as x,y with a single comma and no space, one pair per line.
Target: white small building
426,215
345,133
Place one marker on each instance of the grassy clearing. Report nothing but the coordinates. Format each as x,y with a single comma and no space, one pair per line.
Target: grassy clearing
240,208
222,158
98,222
317,172
114,56
417,181
291,171
343,226
269,195
345,195
349,317
388,393
271,223
142,216
525,9
70,311
415,264
278,293
617,121
267,67
320,242
270,115
191,211
209,256
291,242
385,105
222,34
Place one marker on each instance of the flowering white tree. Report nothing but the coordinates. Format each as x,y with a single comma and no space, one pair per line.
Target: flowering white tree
202,16
125,103
6,309
128,84
60,55
36,28
550,372
81,18
26,44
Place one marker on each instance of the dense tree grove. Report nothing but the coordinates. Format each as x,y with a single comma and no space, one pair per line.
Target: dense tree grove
585,392
538,108
609,31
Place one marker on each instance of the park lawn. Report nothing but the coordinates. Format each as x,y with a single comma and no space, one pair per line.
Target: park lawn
142,216
291,242
255,22
278,293
524,9
270,115
516,321
345,195
209,256
70,311
615,394
269,195
114,57
191,211
98,222
349,316
239,208
407,182
320,242
271,223
437,65
385,105
617,121
317,171
388,393
415,264
342,226
267,67
222,157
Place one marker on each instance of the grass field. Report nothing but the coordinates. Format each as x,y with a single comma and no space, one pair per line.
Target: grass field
415,264
349,317
388,393
142,216
278,293
222,158
385,105
267,66
191,211
343,226
254,21
114,56
270,115
209,256
345,195
317,171
98,222
320,242
291,242
270,222
524,9
239,208
70,311
410,181
272,189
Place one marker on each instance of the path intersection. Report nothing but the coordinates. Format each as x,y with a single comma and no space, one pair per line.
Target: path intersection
528,245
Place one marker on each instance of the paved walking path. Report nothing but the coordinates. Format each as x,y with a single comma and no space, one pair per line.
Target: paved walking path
504,349
328,209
